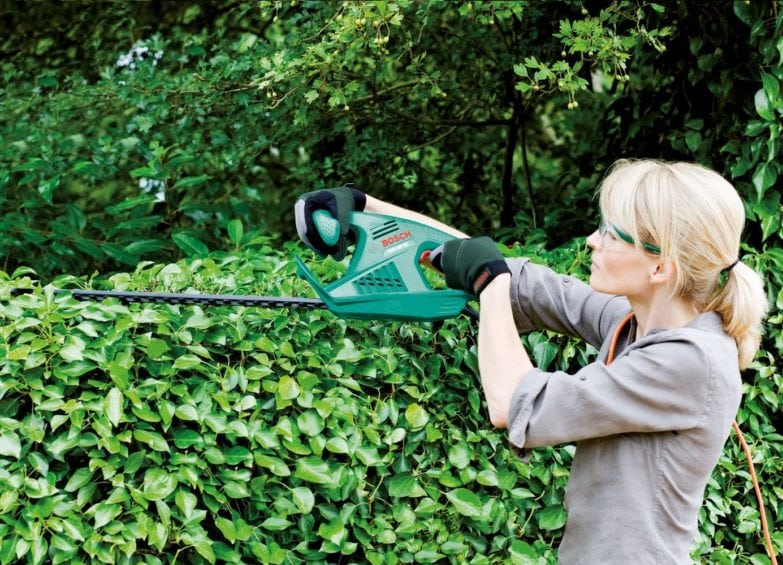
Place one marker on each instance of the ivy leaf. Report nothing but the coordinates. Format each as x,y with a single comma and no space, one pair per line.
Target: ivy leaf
78,479
158,484
46,188
552,518
113,406
416,416
304,499
405,485
762,105
10,446
763,178
460,455
227,528
276,524
288,389
313,469
334,531
466,502
105,513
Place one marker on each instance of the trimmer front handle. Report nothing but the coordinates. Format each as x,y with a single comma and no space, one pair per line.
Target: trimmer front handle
384,279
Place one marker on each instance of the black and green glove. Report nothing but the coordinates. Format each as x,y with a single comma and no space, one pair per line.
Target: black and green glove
339,202
469,264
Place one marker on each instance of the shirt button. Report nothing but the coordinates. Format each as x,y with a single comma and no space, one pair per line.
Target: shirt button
582,377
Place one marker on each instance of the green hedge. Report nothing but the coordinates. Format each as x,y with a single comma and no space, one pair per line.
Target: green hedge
163,433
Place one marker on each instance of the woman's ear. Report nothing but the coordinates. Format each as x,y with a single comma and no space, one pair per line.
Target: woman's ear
662,271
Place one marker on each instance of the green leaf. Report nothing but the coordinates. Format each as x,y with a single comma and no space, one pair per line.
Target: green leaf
466,502
337,445
186,502
187,413
158,484
274,464
235,231
313,469
188,182
153,439
113,406
334,532
237,454
771,86
78,479
187,361
288,388
227,528
405,485
202,545
73,350
552,518
236,490
10,446
46,188
460,455
31,165
276,524
310,423
190,245
187,438
763,178
428,556
693,140
105,513
522,552
416,416
762,105
304,499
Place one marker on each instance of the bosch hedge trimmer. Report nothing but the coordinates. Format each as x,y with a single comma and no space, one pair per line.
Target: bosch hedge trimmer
384,279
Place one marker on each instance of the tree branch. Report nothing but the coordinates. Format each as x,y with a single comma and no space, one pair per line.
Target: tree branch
458,123
526,166
507,212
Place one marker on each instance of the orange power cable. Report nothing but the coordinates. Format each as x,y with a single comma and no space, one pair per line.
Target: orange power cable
746,449
764,526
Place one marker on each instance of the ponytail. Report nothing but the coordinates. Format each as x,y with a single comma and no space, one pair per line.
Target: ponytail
742,305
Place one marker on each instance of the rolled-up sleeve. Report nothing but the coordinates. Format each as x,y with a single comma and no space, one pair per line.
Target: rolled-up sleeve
660,386
544,300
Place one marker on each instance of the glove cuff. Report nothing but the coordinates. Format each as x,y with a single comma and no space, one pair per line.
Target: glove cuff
359,200
488,273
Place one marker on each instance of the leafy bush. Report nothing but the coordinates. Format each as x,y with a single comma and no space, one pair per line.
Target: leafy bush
161,432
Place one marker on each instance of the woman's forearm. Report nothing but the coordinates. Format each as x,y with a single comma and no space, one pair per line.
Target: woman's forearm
380,207
502,359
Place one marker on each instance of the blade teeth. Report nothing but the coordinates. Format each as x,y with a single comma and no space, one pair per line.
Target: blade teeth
208,300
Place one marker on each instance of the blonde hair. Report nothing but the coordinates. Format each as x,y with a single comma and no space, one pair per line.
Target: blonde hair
696,218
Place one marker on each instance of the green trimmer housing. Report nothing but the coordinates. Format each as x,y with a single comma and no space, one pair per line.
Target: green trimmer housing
385,278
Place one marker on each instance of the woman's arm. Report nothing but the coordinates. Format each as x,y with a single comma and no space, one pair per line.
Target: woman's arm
503,361
380,207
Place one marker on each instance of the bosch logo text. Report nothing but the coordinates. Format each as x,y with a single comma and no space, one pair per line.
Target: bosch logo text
397,237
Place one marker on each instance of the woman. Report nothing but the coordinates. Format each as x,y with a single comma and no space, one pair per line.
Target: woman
675,315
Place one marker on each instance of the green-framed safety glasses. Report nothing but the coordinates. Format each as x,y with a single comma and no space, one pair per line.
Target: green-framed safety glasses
604,227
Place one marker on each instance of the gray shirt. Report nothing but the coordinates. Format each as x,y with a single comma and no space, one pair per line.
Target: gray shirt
649,427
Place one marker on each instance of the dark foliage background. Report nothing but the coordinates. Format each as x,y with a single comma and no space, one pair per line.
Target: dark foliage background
164,143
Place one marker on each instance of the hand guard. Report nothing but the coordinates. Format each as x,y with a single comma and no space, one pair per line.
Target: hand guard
339,202
469,264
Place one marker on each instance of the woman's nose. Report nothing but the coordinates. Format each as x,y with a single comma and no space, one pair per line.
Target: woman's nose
594,240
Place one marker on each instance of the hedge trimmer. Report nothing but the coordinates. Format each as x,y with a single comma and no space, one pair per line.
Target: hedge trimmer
384,279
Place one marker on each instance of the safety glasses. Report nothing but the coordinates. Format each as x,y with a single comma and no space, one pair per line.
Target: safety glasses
606,228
